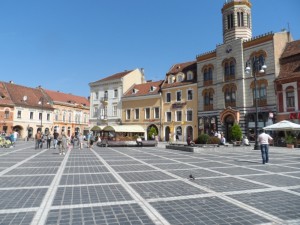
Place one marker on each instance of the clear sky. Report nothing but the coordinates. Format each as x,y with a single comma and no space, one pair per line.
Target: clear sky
66,44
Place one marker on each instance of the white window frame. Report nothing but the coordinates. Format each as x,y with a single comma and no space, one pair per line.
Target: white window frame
136,113
190,75
115,93
156,115
168,113
180,96
114,110
147,109
177,115
187,111
128,112
167,97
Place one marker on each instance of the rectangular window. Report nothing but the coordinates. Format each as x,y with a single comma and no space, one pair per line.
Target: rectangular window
190,95
156,113
56,116
95,111
137,114
70,117
97,95
115,110
19,114
168,97
147,113
48,116
290,99
115,93
189,115
168,116
40,116
128,114
178,96
31,115
6,114
178,116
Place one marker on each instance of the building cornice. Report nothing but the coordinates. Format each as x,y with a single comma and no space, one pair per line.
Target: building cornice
258,40
233,3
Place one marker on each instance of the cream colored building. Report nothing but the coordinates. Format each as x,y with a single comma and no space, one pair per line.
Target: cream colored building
179,102
105,96
226,91
141,105
71,112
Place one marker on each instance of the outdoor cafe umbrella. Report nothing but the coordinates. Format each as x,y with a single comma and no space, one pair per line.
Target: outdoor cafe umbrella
283,125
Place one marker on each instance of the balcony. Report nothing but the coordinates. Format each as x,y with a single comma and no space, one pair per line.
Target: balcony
208,107
104,100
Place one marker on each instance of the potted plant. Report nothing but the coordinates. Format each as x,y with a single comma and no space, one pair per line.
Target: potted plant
290,141
236,134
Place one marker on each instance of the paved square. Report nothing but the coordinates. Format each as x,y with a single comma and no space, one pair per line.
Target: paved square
148,185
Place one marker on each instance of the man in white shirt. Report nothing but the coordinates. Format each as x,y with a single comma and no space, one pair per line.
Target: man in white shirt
264,140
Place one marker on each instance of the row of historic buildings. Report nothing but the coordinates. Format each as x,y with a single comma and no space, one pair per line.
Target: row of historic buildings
242,79
27,110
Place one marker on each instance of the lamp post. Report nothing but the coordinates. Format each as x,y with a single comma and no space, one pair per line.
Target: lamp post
257,66
41,102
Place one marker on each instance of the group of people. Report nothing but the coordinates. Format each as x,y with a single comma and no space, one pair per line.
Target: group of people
62,141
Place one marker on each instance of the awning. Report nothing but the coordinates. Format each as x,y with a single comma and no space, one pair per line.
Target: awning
125,128
97,128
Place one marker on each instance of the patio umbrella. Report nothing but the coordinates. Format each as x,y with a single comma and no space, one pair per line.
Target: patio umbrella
283,125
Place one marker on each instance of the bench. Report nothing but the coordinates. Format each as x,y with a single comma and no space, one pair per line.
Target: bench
108,143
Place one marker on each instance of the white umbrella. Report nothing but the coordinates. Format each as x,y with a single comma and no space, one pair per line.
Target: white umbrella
283,125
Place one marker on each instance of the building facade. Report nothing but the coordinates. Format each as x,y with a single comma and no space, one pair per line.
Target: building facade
106,94
32,110
287,84
227,93
6,111
70,112
141,105
179,102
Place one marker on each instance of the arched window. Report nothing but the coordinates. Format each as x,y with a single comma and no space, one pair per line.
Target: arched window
205,75
209,73
232,68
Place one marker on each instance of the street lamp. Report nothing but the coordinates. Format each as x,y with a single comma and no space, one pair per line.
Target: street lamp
257,66
41,102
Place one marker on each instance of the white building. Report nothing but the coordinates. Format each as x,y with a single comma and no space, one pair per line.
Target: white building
105,96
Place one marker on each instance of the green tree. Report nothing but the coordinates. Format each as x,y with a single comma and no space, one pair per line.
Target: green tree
152,131
236,132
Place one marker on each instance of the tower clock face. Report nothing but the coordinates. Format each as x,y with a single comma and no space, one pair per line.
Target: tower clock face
228,48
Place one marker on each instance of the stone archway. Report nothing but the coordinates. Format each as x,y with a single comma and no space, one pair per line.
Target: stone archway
151,127
228,117
19,129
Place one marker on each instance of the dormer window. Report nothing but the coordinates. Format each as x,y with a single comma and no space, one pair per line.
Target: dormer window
152,88
134,91
171,79
180,77
190,75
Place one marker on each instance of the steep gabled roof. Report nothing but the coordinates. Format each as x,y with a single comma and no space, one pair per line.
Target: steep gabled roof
290,61
57,96
149,88
4,96
33,96
180,67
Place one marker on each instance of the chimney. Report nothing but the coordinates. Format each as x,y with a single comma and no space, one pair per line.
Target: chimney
11,81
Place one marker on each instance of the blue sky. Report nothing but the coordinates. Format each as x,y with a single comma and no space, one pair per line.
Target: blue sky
65,44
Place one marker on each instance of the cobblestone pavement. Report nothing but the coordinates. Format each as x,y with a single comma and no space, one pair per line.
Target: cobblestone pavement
148,185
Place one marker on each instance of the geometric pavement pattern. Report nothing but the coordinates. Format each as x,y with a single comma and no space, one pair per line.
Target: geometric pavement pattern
148,185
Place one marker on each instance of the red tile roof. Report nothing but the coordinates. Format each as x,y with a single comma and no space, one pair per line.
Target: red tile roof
4,96
33,96
115,76
180,67
57,96
290,61
144,89
184,68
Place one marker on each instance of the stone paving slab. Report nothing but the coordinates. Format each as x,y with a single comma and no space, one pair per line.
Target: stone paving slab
148,185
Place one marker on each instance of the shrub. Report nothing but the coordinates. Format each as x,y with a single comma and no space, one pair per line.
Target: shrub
152,130
236,132
213,140
202,138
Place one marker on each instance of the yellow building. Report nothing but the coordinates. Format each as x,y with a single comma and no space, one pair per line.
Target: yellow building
141,105
179,102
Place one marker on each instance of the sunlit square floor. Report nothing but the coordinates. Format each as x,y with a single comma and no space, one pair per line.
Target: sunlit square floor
148,185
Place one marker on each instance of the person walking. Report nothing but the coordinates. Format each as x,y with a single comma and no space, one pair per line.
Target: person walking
48,140
64,142
264,140
80,140
38,138
55,136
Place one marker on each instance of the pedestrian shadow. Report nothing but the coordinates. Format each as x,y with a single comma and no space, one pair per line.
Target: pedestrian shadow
247,161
